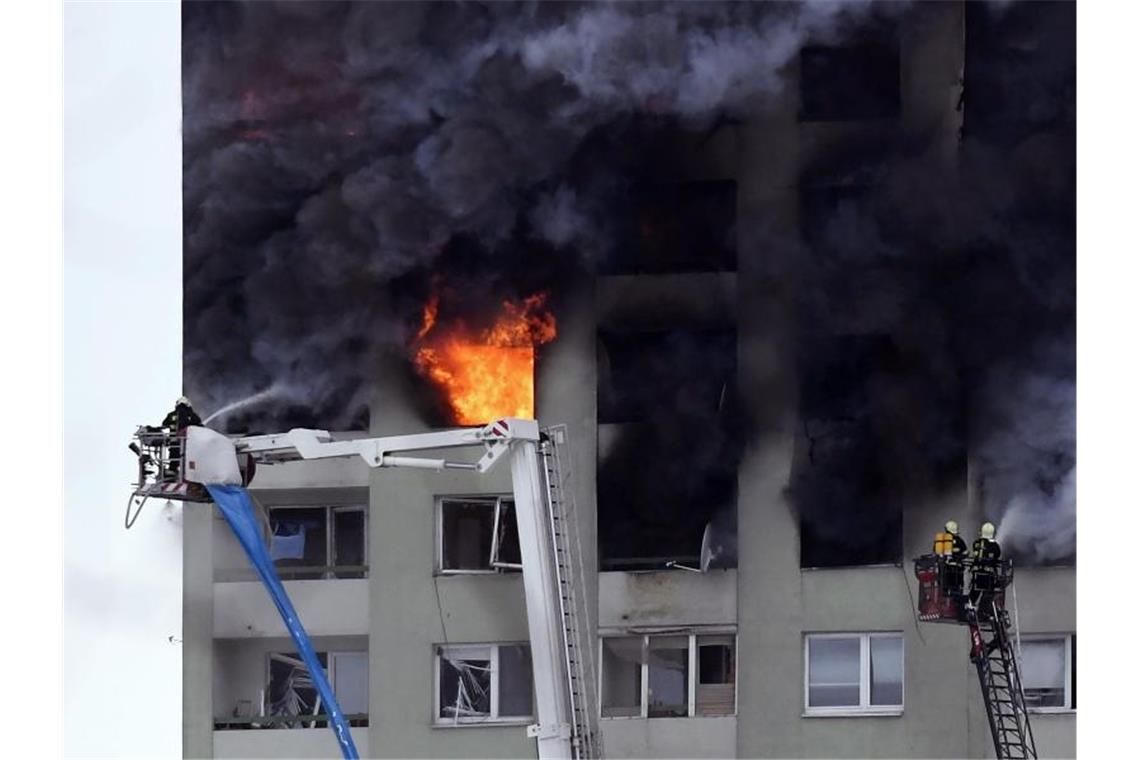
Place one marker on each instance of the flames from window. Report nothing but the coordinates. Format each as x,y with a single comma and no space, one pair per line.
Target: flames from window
489,373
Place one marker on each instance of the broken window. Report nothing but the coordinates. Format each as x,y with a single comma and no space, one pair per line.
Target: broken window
677,227
654,390
478,534
650,676
716,675
292,693
853,673
1049,672
848,83
319,542
484,683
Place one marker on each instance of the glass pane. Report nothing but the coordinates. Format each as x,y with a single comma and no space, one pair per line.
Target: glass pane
833,672
516,683
350,682
298,538
509,534
621,676
886,670
348,540
1043,672
467,525
464,685
668,676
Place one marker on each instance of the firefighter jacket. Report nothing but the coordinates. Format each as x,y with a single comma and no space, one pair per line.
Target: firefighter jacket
986,550
181,418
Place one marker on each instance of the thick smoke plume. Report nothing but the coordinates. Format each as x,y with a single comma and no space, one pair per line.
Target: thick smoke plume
337,156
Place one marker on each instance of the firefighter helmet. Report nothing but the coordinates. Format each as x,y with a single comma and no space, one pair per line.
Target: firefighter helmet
952,527
987,530
182,401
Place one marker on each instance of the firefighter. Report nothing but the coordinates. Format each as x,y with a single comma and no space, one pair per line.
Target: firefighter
952,548
175,423
986,554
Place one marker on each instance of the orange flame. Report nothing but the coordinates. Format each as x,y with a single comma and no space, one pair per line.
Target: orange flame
490,374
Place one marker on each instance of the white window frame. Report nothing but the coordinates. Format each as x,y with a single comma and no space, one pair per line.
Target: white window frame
330,511
492,652
1068,639
500,501
864,708
693,672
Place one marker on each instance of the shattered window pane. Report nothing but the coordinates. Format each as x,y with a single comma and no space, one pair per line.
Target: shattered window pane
668,676
508,534
465,682
621,676
291,688
516,683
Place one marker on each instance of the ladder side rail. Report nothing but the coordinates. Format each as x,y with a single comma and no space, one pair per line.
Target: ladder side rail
553,522
588,666
542,611
1013,678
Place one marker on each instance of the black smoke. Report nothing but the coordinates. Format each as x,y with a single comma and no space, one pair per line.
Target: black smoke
338,156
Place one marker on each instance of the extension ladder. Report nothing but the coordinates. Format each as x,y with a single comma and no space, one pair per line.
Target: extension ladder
577,643
1001,682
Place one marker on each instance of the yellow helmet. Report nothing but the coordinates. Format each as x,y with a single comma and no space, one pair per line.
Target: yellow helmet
987,530
952,527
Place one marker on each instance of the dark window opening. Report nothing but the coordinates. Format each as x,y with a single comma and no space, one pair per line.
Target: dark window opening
716,675
849,83
841,481
678,227
479,534
667,448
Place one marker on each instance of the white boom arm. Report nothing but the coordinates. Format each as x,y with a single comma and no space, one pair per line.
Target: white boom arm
520,439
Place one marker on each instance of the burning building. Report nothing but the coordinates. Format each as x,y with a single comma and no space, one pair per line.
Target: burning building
797,279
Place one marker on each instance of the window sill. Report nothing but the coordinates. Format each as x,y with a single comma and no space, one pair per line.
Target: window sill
665,717
1052,710
469,723
840,712
460,573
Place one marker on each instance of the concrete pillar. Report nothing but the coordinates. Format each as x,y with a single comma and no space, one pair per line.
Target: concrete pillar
197,631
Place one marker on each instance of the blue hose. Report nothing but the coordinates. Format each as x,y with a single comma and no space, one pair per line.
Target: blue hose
236,507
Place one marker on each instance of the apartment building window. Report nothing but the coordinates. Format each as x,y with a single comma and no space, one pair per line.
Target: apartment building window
483,683
853,674
846,83
1049,672
668,675
291,692
477,534
319,542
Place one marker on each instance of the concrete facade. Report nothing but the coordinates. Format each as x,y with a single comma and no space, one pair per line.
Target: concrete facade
405,607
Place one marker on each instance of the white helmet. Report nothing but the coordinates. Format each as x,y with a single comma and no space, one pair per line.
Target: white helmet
952,527
182,401
987,530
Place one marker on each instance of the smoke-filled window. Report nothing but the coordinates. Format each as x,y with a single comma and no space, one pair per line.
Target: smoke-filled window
666,453
678,227
841,480
848,83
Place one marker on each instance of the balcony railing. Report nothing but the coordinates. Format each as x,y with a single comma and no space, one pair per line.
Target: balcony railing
295,573
356,720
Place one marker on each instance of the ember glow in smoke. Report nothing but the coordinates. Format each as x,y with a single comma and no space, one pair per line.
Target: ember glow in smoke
489,373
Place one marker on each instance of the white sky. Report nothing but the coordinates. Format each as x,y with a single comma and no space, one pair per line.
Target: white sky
122,367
